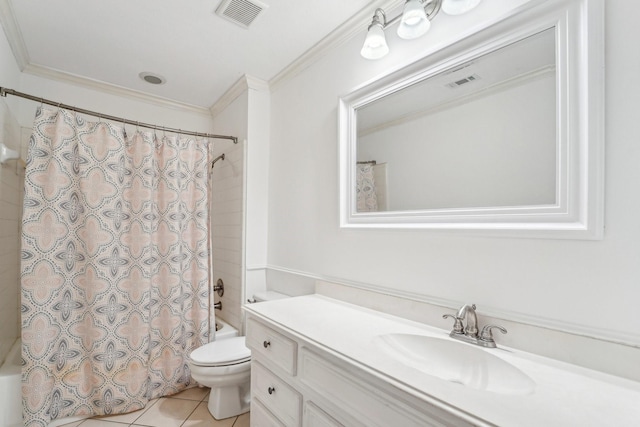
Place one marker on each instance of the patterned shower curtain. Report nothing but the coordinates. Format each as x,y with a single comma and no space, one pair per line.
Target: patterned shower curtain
114,267
366,196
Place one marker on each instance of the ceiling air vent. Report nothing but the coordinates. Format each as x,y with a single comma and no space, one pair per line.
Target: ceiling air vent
241,12
463,81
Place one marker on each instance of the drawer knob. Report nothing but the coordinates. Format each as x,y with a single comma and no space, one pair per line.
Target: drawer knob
266,344
271,390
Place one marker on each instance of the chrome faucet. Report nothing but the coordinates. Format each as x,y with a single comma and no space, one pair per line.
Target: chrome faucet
469,312
469,333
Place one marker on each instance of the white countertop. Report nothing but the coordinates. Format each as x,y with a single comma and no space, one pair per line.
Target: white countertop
564,394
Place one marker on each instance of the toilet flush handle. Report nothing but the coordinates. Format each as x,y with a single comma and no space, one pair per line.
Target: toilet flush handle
266,343
271,390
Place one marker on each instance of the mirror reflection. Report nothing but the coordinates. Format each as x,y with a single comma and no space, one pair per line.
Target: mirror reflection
480,135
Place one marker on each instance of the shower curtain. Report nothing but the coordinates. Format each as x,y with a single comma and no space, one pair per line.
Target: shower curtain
114,266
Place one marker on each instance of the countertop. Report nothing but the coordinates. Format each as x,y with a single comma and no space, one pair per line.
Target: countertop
564,394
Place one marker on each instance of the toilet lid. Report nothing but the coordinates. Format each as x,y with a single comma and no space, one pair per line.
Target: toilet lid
222,352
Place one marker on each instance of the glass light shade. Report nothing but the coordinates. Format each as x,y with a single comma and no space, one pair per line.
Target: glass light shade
375,44
414,22
458,7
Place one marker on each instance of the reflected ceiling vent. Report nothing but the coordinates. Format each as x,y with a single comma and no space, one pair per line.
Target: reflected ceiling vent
463,81
241,12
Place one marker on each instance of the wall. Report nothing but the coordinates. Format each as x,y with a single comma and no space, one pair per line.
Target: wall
584,287
227,226
240,251
11,180
227,231
11,191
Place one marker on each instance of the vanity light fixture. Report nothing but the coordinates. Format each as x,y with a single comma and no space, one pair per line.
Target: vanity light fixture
415,21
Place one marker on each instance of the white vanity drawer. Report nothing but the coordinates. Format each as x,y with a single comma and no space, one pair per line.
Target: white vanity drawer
316,417
281,400
272,346
261,417
370,405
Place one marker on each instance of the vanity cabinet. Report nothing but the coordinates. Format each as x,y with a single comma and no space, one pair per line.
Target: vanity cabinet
297,382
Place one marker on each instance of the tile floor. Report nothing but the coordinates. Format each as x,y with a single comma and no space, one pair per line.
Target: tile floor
185,409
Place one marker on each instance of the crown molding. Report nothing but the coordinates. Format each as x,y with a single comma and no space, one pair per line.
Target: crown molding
52,74
14,35
241,85
355,25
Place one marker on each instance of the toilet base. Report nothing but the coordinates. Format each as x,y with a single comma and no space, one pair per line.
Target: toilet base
226,402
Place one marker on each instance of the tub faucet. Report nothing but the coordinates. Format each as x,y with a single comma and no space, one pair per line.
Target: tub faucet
469,333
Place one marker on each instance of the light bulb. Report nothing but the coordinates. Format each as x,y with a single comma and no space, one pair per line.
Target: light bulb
458,7
375,44
414,22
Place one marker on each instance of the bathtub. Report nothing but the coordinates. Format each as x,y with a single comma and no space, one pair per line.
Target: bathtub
11,389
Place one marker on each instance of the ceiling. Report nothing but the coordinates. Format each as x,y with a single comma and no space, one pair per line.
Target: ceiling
200,54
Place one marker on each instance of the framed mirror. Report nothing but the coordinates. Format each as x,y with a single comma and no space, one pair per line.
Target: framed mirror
500,133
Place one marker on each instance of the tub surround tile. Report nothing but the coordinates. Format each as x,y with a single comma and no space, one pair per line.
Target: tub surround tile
11,183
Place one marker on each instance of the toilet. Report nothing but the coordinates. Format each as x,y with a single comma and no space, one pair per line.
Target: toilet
224,365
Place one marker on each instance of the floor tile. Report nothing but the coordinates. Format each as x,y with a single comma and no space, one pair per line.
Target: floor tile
127,418
243,420
167,412
194,393
101,423
74,424
201,417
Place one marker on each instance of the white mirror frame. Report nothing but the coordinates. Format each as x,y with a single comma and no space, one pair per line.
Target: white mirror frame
579,210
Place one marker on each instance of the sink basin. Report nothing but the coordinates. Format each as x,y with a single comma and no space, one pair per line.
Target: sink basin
457,362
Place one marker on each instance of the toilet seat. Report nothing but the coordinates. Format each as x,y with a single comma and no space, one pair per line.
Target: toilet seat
228,351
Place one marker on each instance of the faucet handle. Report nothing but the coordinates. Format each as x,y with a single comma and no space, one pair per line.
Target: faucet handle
486,334
457,325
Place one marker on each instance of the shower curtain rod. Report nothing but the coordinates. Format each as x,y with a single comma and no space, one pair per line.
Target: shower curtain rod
4,92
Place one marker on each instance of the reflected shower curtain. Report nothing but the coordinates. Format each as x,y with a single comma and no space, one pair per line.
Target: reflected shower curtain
114,267
366,196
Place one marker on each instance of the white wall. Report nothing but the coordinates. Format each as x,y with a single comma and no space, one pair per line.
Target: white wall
227,226
589,287
244,112
227,213
11,192
11,185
